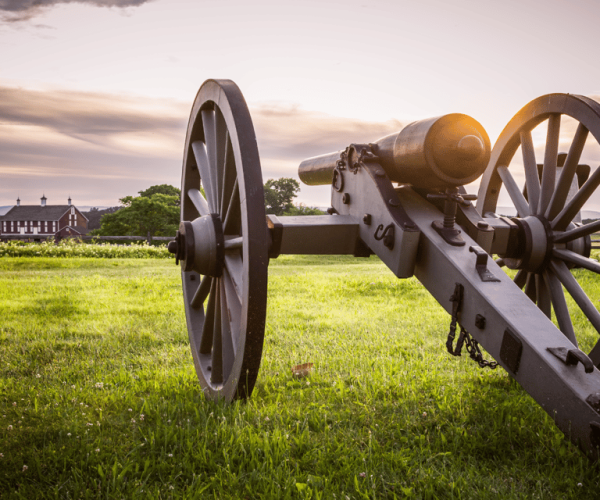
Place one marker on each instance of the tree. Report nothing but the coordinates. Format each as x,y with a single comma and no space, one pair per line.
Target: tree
153,215
162,189
302,209
279,194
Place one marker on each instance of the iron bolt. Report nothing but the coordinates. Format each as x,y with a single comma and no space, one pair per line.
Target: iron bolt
393,203
346,199
482,225
367,219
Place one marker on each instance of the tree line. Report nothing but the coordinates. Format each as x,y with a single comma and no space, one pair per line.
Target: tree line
156,211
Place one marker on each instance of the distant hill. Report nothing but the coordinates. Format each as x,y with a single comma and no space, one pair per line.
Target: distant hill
511,212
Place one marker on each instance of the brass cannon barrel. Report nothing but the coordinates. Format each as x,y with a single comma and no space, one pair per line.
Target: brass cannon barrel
449,150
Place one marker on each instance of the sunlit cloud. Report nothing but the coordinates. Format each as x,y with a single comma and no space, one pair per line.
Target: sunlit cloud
18,11
105,146
288,134
101,147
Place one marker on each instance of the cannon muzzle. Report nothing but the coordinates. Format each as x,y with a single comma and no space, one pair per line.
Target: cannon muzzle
446,151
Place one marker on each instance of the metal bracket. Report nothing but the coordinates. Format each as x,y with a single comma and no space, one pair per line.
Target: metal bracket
572,357
355,156
481,264
451,235
387,235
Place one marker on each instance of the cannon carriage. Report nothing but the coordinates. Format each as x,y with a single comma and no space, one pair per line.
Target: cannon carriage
402,198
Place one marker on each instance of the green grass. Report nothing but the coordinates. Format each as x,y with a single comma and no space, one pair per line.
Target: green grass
99,398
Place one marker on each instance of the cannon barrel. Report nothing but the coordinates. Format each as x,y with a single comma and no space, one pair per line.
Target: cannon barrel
445,151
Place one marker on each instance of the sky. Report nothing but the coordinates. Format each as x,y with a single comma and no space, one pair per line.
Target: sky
95,94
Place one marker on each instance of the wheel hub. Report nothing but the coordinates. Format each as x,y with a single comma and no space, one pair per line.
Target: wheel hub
535,245
200,246
536,242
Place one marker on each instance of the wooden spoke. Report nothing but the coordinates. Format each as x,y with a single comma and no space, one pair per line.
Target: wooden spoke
235,268
228,351
209,322
530,287
578,260
560,269
543,298
222,139
550,162
578,232
574,206
216,358
229,178
521,278
514,192
568,173
234,243
201,293
532,180
205,173
232,222
560,306
234,309
199,202
210,139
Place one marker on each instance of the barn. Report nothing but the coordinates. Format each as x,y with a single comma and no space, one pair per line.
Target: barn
39,221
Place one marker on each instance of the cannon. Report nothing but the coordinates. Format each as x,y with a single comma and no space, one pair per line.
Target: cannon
402,198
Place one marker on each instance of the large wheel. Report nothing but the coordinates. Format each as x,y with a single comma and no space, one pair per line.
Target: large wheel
222,242
549,198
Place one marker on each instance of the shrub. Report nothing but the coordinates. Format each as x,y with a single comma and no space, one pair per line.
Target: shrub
75,248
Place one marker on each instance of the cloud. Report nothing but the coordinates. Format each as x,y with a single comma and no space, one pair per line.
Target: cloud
92,117
14,11
100,146
287,135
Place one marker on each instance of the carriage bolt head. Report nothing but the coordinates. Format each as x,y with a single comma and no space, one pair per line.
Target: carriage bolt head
346,199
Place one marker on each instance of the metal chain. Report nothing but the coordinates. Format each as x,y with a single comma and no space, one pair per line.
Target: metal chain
474,352
464,337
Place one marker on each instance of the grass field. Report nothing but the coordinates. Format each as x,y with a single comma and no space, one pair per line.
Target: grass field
99,398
